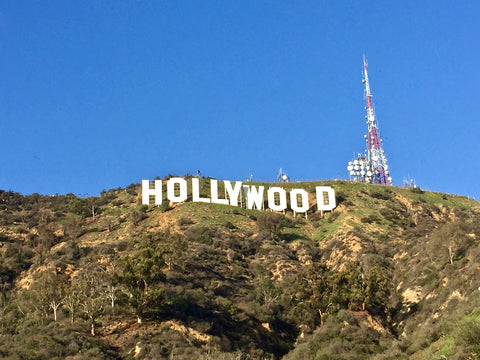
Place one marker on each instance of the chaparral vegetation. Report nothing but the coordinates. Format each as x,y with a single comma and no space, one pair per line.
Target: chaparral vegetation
390,273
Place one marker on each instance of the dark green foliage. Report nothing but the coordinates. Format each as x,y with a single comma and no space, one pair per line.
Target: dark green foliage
267,294
272,223
106,197
344,336
229,225
142,276
182,307
341,197
468,333
184,221
347,287
117,203
136,216
165,206
377,288
17,257
75,251
79,206
380,195
74,226
132,189
309,295
200,234
372,218
55,342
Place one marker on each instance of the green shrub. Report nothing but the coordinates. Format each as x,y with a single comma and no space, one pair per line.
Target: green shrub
184,221
272,223
371,218
380,195
200,234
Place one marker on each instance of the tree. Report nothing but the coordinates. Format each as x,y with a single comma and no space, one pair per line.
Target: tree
347,287
4,303
173,247
47,292
267,294
136,216
91,299
308,295
72,302
110,223
140,276
73,226
451,253
45,215
377,289
43,241
110,279
79,206
92,204
272,223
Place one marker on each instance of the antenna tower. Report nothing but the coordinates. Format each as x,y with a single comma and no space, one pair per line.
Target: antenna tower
282,177
372,167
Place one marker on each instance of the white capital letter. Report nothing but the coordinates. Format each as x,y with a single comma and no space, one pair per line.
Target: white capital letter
253,197
325,198
233,193
294,200
214,193
146,192
182,196
282,197
196,191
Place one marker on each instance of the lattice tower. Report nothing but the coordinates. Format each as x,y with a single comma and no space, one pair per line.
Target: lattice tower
371,167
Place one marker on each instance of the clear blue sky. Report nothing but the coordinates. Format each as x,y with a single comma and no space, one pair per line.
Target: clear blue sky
100,94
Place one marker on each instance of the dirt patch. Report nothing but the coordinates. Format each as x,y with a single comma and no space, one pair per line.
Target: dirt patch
369,320
25,281
412,295
281,269
188,333
404,201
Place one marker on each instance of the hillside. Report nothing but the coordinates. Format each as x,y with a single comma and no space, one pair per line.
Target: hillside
389,274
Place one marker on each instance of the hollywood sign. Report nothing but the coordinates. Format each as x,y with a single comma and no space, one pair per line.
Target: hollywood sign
177,192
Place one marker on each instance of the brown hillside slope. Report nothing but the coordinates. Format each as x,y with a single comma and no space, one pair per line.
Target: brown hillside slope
389,274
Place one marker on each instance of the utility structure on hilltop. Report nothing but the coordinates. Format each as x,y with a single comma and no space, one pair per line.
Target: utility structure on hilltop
372,166
282,177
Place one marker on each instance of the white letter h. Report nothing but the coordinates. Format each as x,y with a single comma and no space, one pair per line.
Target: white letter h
156,191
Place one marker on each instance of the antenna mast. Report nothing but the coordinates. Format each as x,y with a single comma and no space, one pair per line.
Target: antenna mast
371,168
282,177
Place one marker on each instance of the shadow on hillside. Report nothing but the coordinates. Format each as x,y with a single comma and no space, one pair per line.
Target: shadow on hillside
247,333
292,237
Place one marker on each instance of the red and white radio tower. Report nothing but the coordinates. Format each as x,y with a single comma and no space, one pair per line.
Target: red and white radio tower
372,167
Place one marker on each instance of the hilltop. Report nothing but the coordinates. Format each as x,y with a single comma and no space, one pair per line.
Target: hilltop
389,274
